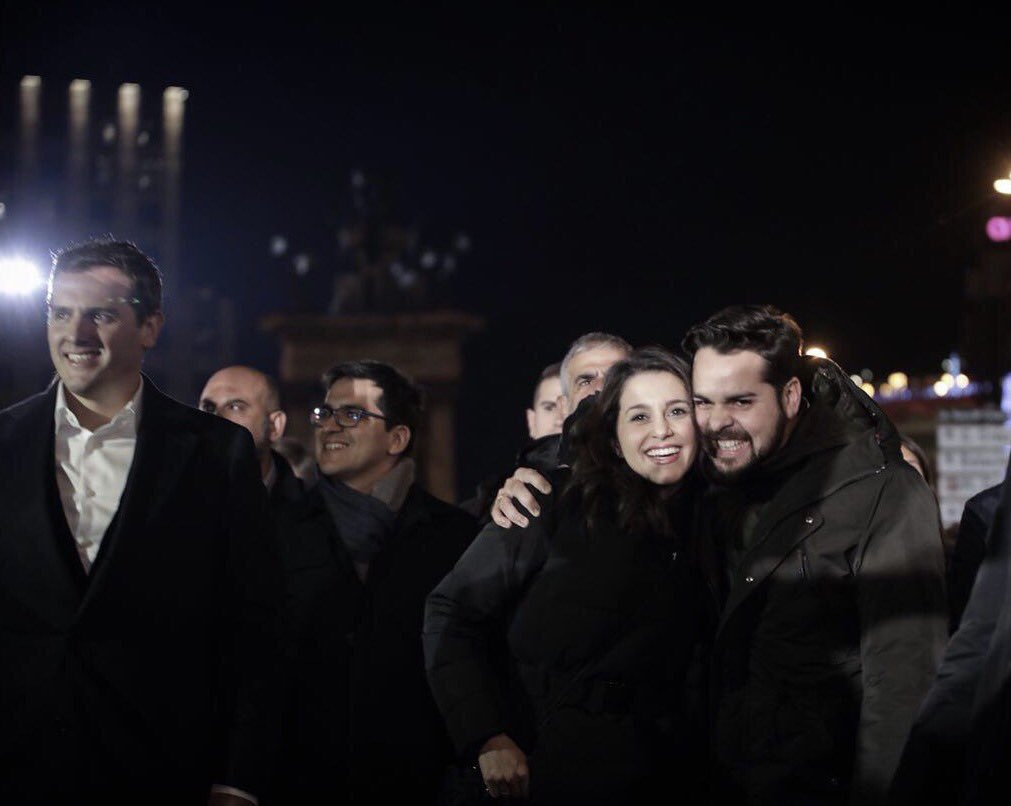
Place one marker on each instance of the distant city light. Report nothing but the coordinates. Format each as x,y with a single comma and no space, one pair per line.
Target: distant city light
1003,186
816,352
948,379
19,277
961,380
278,245
857,380
80,85
868,388
998,228
31,82
302,264
941,388
898,380
175,94
429,259
886,390
867,375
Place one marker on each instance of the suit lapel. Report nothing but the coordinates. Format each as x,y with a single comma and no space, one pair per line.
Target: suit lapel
32,488
162,453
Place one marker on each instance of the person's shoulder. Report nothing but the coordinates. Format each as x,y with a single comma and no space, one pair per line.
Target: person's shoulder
422,506
13,418
985,502
170,413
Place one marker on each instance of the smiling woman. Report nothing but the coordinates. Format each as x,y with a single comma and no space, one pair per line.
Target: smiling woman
602,606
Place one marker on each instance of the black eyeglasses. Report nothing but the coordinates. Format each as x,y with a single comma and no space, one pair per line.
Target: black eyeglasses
344,416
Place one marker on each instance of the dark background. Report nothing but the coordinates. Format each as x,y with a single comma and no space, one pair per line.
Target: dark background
614,170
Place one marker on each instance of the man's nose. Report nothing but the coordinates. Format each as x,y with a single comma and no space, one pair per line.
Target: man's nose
719,418
81,328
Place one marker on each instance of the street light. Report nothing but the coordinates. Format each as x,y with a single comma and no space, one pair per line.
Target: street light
19,277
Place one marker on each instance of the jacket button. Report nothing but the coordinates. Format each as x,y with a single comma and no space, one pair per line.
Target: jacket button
749,580
809,520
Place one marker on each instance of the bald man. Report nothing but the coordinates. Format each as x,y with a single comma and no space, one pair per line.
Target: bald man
252,399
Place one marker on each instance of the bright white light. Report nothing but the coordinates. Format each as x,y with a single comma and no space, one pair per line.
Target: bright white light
1003,186
18,277
941,388
948,379
961,380
856,379
817,352
868,388
899,380
31,82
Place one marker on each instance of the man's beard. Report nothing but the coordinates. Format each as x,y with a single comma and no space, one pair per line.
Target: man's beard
753,466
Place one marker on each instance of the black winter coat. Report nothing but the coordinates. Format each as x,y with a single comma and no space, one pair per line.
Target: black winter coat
835,620
623,613
362,727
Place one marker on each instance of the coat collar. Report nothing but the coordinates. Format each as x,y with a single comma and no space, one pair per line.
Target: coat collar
793,515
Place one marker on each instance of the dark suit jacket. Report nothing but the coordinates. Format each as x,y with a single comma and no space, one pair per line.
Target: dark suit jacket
959,750
288,487
148,675
970,548
363,727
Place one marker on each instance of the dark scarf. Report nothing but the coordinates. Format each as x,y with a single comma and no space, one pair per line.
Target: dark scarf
365,523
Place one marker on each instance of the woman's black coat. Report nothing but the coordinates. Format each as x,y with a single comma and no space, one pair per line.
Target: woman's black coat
599,632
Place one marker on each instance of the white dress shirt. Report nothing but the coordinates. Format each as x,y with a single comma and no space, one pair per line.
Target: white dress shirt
91,470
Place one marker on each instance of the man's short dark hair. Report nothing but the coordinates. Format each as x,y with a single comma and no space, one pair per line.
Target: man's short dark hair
400,401
122,255
761,329
550,371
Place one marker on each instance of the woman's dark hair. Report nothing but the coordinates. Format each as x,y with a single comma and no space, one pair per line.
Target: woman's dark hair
601,478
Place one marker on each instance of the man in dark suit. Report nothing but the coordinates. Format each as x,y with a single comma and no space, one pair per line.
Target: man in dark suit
363,550
970,549
138,583
959,750
252,399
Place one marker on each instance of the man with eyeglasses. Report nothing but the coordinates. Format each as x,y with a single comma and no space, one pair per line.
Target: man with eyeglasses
139,585
362,550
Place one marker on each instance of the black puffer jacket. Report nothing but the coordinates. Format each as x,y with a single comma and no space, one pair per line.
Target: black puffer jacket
625,611
834,621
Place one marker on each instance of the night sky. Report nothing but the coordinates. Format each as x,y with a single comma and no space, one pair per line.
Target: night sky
615,172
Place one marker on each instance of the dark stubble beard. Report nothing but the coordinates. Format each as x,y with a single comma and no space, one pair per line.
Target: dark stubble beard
753,467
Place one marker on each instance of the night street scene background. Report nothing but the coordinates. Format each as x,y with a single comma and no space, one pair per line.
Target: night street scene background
537,172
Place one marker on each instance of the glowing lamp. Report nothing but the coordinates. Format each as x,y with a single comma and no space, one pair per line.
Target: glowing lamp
961,380
998,228
898,380
1003,186
817,352
18,277
941,388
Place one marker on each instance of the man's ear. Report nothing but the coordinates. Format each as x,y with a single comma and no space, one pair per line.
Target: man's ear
277,420
791,396
399,437
150,328
531,419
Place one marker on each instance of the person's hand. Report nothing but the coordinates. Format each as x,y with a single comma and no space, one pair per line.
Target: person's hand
504,768
503,509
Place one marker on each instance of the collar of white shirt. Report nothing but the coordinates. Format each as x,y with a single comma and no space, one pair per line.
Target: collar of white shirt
124,423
